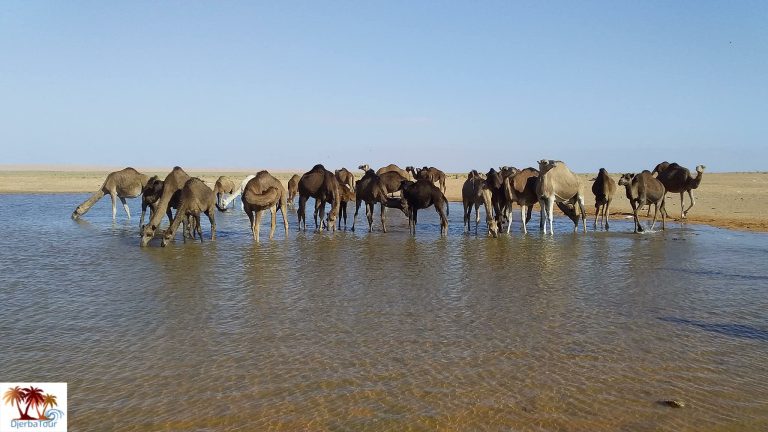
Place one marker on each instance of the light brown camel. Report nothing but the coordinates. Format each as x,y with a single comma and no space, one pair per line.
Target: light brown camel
195,198
320,184
224,185
420,195
473,194
293,189
256,198
428,173
346,194
370,189
604,188
172,185
520,188
126,183
677,179
643,189
559,184
344,176
256,203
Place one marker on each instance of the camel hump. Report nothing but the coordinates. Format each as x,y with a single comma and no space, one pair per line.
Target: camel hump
318,167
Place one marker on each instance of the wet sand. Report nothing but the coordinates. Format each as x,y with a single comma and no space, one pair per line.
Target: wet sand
727,200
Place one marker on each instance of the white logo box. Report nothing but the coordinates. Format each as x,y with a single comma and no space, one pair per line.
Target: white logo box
43,407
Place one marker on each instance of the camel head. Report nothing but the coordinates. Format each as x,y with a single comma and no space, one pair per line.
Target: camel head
364,168
332,215
167,237
147,234
493,227
700,169
626,179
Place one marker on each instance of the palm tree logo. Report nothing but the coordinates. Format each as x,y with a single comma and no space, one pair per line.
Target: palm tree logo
32,397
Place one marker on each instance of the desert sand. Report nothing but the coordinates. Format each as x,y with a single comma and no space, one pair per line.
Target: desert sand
727,200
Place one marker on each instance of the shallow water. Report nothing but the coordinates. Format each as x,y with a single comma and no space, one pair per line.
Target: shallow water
359,331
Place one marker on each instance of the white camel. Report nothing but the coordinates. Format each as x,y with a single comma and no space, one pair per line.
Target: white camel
239,191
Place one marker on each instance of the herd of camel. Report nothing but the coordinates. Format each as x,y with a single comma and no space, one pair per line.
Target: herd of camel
409,190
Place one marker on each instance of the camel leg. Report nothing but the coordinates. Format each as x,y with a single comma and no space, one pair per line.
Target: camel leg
443,220
477,216
273,223
655,213
198,226
682,207
522,217
301,213
413,220
211,213
583,213
357,209
663,213
114,208
143,212
125,207
542,216
251,221
369,215
383,217
598,209
321,212
635,209
467,211
693,202
607,213
259,214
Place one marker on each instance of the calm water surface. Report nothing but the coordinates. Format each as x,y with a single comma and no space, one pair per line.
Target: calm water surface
359,331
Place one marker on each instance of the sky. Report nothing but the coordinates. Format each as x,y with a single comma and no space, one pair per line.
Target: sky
457,85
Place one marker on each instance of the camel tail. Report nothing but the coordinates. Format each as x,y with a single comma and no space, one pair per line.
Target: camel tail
447,207
87,204
569,211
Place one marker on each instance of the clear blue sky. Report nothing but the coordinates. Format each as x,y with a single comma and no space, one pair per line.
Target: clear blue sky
457,85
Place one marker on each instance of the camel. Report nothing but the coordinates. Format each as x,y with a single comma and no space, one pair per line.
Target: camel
238,192
520,188
643,189
392,181
293,189
507,171
603,188
428,173
677,179
494,182
559,184
172,185
475,193
344,176
320,184
388,168
126,183
150,194
420,195
195,198
346,194
224,185
371,190
257,197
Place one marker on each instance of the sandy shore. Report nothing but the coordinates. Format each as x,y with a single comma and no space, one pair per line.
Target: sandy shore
728,200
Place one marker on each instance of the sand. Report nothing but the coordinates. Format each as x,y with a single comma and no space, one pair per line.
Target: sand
727,200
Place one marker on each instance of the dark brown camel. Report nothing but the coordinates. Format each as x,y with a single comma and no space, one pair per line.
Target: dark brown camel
494,182
195,198
371,190
474,193
258,196
293,188
126,183
392,181
677,179
420,195
344,176
172,184
346,194
603,187
643,189
320,184
150,195
520,188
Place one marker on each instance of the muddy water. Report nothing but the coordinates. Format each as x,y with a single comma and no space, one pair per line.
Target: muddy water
358,331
